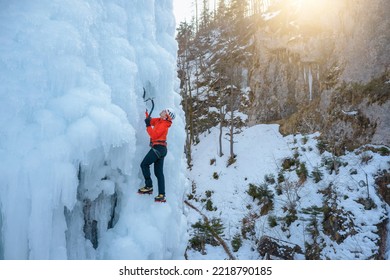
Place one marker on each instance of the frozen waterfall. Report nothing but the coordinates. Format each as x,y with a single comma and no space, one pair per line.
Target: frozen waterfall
72,132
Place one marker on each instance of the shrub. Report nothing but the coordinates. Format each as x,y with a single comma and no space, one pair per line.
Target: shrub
353,171
383,151
288,163
291,216
260,192
209,206
321,146
302,172
316,174
264,196
281,177
332,164
291,191
365,158
272,222
208,193
269,178
279,189
248,225
203,234
236,242
313,249
231,160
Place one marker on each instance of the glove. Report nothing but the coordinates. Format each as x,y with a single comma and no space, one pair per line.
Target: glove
147,121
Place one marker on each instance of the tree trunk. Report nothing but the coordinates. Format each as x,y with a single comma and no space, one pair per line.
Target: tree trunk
220,153
189,122
231,134
231,140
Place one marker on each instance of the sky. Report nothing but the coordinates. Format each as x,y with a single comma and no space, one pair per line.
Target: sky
182,10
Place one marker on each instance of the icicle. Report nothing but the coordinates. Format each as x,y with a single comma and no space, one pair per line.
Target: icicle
310,84
318,72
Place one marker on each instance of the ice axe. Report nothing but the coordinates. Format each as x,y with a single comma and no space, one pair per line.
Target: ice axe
146,100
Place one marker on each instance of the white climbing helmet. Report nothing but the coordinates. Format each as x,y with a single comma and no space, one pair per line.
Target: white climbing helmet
170,113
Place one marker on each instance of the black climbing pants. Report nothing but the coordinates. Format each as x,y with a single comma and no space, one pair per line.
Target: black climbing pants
155,155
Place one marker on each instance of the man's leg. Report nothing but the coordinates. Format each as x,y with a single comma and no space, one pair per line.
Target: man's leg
158,171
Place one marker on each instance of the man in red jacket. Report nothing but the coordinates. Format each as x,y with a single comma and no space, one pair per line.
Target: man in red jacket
157,128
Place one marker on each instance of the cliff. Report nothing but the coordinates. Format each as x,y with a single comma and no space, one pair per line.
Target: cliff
326,67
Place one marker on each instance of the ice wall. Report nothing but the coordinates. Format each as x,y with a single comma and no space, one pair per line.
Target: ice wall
72,133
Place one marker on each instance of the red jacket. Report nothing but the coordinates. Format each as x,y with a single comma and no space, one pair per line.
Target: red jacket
158,131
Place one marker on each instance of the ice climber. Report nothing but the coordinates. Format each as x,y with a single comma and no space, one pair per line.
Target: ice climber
157,128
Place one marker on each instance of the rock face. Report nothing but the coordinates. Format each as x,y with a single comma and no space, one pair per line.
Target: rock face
325,66
272,248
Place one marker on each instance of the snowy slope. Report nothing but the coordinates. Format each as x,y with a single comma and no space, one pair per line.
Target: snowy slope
72,133
261,151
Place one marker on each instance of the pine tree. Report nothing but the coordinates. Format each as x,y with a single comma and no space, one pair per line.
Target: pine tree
184,38
211,71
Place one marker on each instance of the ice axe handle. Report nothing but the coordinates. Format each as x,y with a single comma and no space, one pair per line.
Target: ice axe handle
151,110
152,107
145,100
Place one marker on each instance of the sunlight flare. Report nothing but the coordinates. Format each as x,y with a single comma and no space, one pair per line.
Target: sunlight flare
313,8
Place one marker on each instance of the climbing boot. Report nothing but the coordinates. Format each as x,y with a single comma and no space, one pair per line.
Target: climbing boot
160,198
145,190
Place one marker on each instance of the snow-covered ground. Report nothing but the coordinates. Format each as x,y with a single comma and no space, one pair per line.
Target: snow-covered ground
261,151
